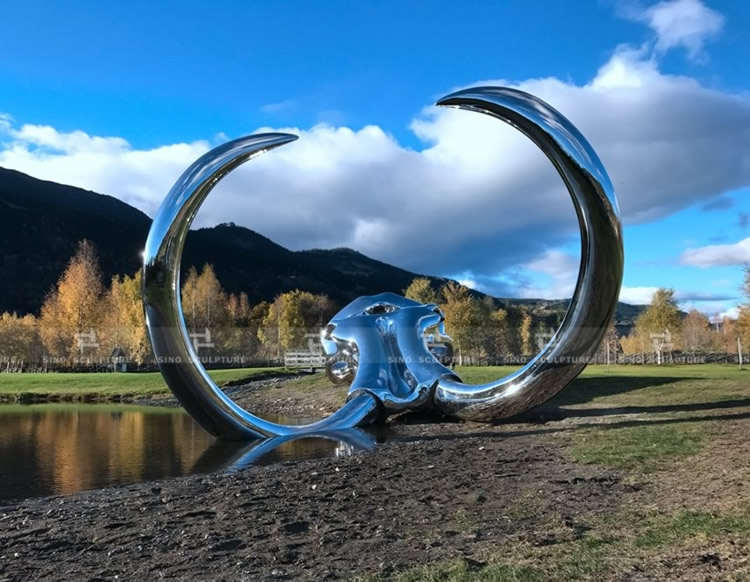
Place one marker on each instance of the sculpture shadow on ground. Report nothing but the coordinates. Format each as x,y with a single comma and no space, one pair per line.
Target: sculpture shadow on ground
572,403
586,390
581,426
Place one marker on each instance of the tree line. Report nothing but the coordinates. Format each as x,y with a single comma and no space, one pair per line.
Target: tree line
82,320
662,330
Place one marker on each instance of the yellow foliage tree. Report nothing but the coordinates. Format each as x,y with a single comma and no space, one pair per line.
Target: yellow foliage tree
661,317
525,333
70,313
19,341
206,308
695,332
124,323
498,337
204,302
463,318
420,289
290,317
743,321
189,298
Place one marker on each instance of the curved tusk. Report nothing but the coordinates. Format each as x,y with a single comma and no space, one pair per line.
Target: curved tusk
178,362
598,287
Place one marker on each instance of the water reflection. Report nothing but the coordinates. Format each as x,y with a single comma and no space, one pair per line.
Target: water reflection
50,449
235,456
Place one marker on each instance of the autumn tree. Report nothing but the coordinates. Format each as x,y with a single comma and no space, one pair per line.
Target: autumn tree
71,311
421,290
239,338
189,298
463,318
291,317
497,340
257,316
743,320
19,341
695,332
610,347
204,302
525,333
206,306
726,336
124,324
317,310
661,317
238,309
635,343
662,314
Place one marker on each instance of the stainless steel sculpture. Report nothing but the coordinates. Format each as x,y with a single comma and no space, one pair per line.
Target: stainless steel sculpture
379,344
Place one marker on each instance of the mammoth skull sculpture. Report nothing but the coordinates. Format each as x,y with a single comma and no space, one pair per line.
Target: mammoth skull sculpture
379,345
390,349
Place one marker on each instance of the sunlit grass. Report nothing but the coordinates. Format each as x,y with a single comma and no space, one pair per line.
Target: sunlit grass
104,385
641,448
613,386
517,562
639,385
671,529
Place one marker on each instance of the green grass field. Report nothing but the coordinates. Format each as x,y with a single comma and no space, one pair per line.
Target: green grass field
617,385
104,386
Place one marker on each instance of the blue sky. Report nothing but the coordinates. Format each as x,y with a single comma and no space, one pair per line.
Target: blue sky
120,98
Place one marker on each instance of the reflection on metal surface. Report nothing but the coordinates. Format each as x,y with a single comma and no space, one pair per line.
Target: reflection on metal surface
236,456
595,299
388,333
390,349
178,361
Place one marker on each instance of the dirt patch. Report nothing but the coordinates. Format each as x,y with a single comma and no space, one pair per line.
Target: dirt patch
272,395
301,397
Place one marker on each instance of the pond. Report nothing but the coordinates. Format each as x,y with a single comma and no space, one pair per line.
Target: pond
50,449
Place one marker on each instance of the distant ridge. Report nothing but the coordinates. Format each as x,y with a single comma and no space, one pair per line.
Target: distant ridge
41,223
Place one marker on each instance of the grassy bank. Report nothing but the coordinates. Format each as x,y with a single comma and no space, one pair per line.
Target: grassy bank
627,389
626,386
104,386
640,386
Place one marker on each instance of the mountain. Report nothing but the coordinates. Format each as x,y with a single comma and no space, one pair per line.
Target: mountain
40,226
41,223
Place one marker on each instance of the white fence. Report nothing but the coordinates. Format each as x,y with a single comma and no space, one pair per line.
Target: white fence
304,360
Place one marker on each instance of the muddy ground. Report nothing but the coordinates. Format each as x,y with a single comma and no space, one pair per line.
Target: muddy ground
462,497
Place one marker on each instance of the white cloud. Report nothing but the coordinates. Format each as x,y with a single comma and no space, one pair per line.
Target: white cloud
470,283
478,197
732,313
711,308
560,271
637,295
109,165
718,255
686,300
6,123
687,24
